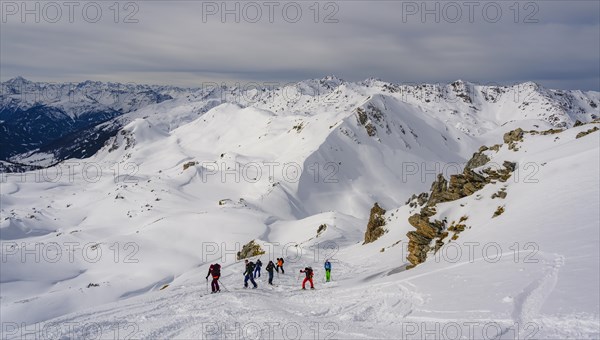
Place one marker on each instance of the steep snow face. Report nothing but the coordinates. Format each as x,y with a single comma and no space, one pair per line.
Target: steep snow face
128,233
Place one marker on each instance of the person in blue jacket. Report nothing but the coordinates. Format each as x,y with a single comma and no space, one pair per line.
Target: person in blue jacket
327,271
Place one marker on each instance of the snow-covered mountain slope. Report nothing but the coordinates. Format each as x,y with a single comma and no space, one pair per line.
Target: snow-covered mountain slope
123,239
74,120
537,256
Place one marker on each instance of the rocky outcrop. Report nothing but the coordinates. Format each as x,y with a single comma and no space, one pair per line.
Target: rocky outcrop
189,164
250,249
363,119
375,225
500,194
585,133
420,241
460,185
124,137
513,137
499,211
478,159
321,229
371,117
415,201
545,132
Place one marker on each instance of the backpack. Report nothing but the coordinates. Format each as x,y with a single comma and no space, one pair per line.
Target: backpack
282,261
216,269
309,272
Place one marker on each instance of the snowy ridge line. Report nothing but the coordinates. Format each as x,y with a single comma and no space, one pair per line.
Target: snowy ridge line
473,109
250,92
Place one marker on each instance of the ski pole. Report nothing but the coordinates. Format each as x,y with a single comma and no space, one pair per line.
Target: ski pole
222,285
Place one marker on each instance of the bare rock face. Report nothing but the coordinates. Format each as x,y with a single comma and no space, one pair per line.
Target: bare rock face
375,225
189,164
513,137
416,201
461,185
372,118
500,194
585,133
250,249
478,159
499,211
124,137
419,241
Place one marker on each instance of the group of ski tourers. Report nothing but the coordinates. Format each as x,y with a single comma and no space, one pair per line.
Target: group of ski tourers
253,271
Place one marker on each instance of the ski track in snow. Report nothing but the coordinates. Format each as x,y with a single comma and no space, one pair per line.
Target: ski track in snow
191,312
529,302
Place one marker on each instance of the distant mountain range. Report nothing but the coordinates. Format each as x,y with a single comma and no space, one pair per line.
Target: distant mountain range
42,124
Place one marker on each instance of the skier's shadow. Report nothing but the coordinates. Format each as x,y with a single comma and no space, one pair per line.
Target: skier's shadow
397,270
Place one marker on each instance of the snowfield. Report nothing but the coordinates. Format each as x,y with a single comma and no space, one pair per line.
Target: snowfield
118,245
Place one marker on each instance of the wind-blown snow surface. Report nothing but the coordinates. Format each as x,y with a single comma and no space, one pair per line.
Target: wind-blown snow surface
109,243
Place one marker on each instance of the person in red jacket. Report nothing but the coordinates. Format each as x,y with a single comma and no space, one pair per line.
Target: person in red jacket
308,271
215,271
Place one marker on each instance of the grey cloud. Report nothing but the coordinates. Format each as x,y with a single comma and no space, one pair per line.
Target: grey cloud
171,45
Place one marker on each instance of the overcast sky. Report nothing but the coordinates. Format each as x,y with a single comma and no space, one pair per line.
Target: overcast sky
554,43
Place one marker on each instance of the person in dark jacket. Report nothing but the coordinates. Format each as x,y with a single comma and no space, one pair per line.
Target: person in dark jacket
257,268
249,274
215,271
270,267
308,271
